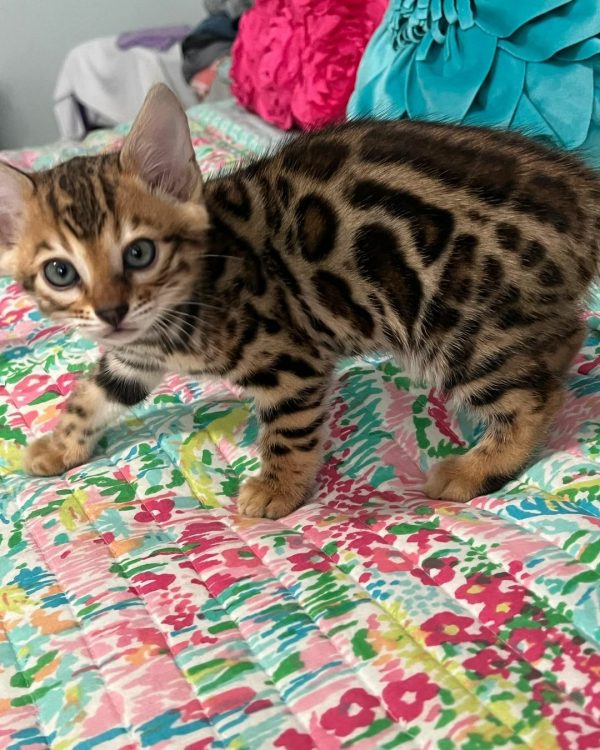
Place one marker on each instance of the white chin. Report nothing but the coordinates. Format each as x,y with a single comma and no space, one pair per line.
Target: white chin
118,337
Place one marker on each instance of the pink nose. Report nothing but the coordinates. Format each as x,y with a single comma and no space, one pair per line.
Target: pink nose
113,315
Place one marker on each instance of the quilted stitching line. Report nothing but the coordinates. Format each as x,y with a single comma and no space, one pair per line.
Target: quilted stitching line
468,610
144,601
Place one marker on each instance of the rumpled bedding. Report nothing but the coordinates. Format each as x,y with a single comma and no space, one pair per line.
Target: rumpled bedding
138,610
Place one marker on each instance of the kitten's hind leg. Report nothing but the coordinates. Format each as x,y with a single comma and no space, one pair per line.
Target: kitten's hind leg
517,422
518,407
95,402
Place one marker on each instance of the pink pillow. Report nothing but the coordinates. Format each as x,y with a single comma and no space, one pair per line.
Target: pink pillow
295,61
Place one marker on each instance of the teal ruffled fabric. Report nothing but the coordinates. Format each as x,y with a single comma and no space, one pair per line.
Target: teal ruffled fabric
530,65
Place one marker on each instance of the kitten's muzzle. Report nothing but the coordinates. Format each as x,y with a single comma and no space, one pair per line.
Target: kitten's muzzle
113,315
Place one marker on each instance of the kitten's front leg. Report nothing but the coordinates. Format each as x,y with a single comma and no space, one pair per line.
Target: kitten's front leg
96,401
290,449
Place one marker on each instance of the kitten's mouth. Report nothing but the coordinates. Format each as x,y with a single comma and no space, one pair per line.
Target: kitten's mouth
119,336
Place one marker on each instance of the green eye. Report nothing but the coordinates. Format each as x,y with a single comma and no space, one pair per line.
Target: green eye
60,273
139,254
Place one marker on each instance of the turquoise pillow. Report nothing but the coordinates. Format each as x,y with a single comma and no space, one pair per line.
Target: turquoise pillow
532,65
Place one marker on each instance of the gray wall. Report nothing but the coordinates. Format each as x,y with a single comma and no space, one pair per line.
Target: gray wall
35,36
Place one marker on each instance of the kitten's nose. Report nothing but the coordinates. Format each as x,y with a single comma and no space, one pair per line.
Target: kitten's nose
113,315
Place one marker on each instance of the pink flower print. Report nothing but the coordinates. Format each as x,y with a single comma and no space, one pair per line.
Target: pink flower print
30,388
501,596
156,509
66,381
573,730
437,411
436,570
529,642
311,560
240,557
405,699
446,627
147,582
14,316
426,538
355,710
487,662
292,739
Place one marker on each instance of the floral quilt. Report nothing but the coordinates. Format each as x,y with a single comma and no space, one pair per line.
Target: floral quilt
138,610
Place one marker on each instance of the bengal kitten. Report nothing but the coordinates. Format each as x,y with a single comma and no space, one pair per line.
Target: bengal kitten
464,251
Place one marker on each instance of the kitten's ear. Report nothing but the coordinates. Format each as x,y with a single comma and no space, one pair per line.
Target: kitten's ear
15,188
159,147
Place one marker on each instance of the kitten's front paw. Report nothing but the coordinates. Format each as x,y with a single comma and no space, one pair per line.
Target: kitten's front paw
260,500
50,456
451,479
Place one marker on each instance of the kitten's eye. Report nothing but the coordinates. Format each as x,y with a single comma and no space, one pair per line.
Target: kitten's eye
60,273
140,254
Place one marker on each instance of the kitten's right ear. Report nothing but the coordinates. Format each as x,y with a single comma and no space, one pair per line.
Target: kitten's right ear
15,188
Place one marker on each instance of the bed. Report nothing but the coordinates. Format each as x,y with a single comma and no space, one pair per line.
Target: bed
138,610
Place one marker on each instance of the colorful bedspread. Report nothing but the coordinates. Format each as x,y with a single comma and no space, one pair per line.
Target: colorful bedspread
138,610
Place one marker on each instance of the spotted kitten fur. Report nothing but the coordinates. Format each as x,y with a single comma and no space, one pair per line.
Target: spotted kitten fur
466,252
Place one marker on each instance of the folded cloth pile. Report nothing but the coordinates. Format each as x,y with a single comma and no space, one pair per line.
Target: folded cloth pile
533,67
294,62
210,42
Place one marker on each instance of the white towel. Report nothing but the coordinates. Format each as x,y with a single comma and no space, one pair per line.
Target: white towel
111,83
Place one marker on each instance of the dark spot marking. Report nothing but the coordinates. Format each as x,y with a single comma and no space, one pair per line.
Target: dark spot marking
533,253
491,278
487,174
438,316
381,262
317,225
232,195
550,275
279,450
509,236
109,192
316,157
271,326
278,268
335,295
477,216
301,432
284,191
270,205
300,402
549,200
77,410
585,271
456,282
260,379
295,365
246,338
431,226
306,447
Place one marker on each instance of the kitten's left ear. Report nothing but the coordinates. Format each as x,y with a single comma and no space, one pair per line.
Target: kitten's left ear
159,147
15,188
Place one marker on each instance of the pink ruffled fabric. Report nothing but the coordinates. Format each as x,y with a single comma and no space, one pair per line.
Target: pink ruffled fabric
295,61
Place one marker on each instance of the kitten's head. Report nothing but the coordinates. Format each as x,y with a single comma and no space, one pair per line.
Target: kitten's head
108,242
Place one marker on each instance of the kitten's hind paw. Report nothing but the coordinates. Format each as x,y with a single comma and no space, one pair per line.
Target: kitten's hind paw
50,456
260,500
